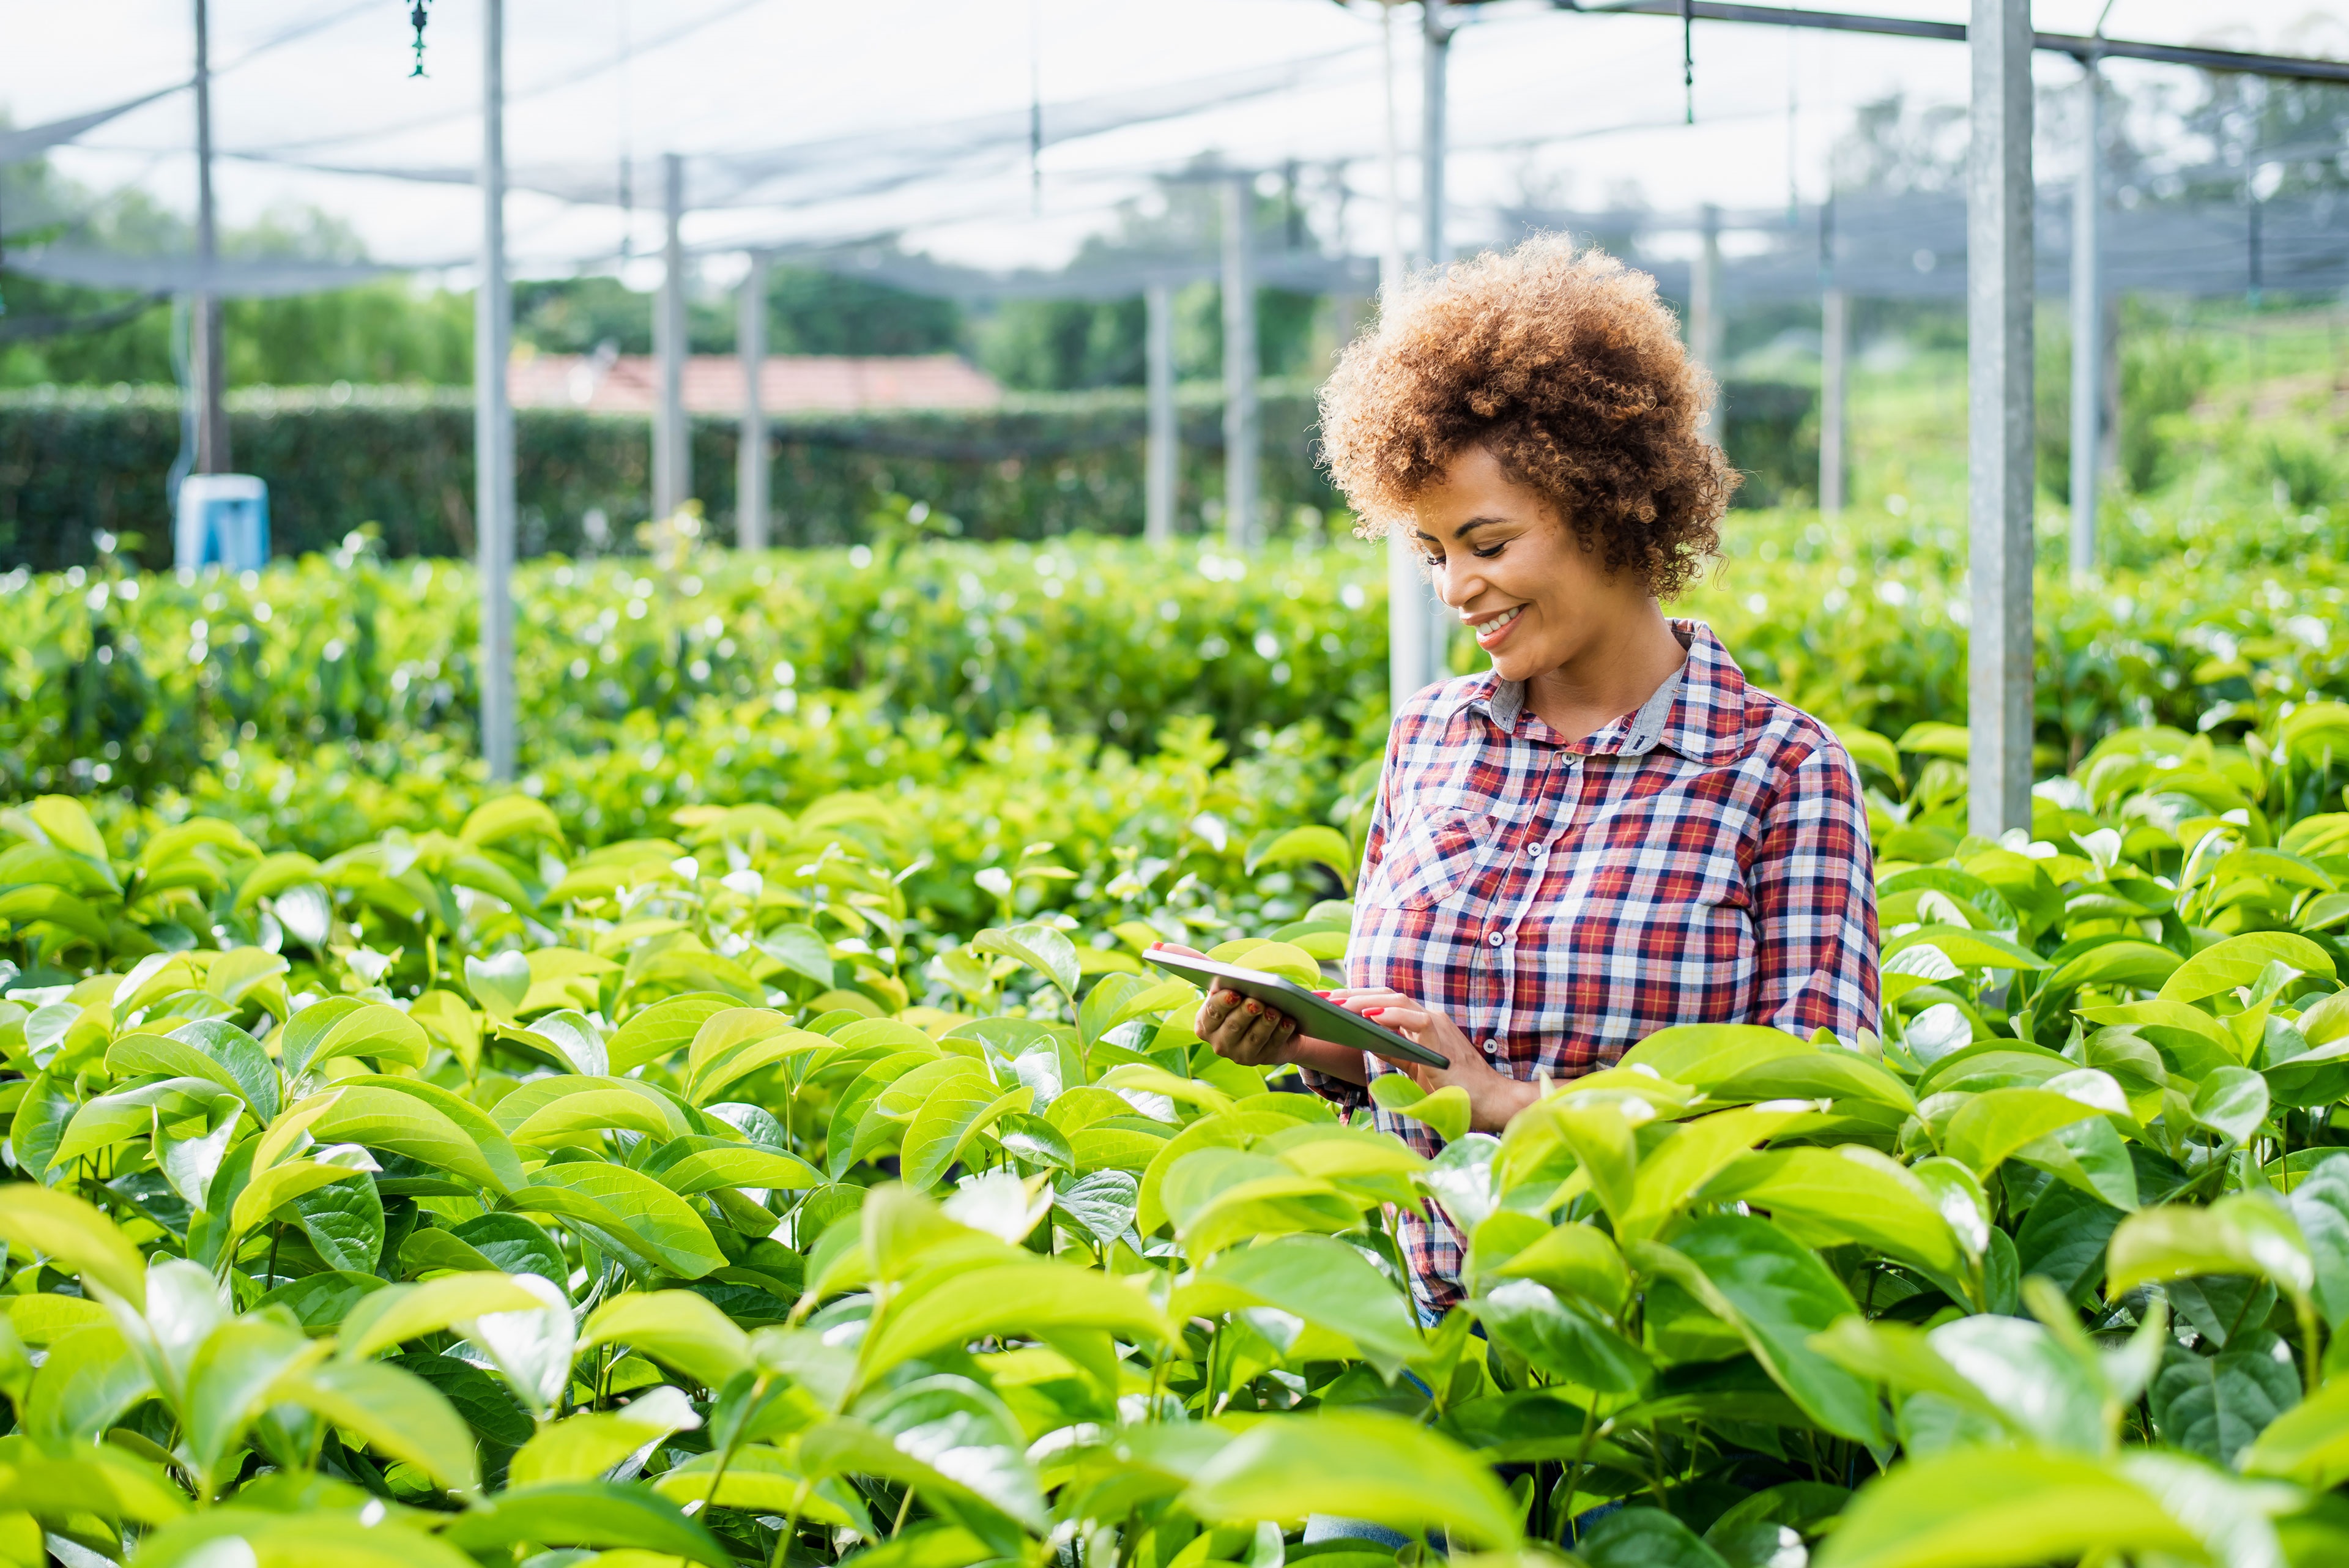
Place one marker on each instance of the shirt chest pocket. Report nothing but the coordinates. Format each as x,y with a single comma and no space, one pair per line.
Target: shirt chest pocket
1431,861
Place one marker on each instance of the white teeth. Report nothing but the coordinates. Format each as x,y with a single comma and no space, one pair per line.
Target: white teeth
1498,621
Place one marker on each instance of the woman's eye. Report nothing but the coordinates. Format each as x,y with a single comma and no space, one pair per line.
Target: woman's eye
1490,551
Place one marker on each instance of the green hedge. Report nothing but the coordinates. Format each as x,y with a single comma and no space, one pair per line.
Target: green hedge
74,463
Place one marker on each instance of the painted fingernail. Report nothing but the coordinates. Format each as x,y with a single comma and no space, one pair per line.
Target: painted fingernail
1372,1012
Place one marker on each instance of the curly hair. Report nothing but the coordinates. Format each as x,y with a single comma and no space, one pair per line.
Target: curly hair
1565,367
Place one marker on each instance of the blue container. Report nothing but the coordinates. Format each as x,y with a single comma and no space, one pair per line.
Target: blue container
223,520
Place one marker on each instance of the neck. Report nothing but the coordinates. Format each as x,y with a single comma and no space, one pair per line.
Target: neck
1613,672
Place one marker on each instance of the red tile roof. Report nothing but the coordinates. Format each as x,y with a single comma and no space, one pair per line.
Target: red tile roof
790,383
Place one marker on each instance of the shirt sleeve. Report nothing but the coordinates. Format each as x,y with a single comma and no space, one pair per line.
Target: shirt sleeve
1337,1091
1814,889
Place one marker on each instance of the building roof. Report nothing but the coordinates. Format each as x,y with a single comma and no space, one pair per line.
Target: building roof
790,383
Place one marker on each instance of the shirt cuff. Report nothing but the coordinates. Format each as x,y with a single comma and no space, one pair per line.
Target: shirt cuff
1336,1090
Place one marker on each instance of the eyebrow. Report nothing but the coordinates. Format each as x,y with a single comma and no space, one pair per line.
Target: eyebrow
1465,529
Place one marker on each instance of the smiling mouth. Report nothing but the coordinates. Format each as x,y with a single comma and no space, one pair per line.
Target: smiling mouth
1493,629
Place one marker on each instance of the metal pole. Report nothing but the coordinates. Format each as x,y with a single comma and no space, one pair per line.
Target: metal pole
672,460
750,471
1240,367
1438,28
1408,607
1705,332
2087,327
493,452
1835,365
1999,433
207,369
1164,448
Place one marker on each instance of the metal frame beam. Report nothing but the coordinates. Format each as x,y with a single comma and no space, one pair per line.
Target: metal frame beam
494,443
2289,66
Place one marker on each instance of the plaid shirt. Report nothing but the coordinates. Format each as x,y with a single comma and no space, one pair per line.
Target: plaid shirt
1703,860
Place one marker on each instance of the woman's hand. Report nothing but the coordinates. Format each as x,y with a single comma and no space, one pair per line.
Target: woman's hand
1245,1030
1494,1097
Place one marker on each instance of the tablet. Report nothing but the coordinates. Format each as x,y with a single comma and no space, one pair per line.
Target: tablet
1316,1015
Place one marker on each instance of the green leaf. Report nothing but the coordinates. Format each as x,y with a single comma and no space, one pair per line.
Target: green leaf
1318,846
1562,1339
1041,948
951,1307
401,1313
1993,1124
2237,960
2233,1102
761,1479
1673,1171
498,983
1358,1464
594,1514
102,1479
1445,1111
584,1446
488,1409
658,1030
676,1328
656,1218
509,817
284,1182
274,1540
2309,1443
1324,1281
346,1026
1824,1197
89,1380
398,1414
2216,1405
65,1229
955,1112
1969,949
1647,1538
345,1223
1999,1508
1777,1294
231,1380
2240,1234
422,1122
703,1169
981,1478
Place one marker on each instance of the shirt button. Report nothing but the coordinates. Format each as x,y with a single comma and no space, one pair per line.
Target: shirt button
1494,938
1491,1047
1540,851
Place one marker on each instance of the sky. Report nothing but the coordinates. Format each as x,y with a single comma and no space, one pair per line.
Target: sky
1545,106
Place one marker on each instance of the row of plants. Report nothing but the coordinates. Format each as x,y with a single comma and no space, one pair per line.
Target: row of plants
117,680
475,1195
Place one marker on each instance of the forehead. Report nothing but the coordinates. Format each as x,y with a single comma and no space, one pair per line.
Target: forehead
1473,489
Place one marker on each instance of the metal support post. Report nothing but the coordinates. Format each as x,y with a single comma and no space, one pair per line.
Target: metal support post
1438,28
750,457
672,455
493,451
1998,408
1705,328
1835,369
206,366
1164,450
1408,605
1240,366
2087,325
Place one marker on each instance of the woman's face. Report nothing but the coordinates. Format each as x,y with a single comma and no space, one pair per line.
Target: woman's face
1507,564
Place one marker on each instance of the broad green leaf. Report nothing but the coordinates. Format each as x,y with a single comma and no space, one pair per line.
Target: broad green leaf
951,1308
510,816
1824,1197
101,1479
1324,1281
400,1416
657,1217
1445,1111
1041,948
1992,1125
2309,1443
952,1439
1562,1339
344,1221
1649,1538
346,1026
75,1236
399,1313
231,1380
1579,1260
284,1182
663,1028
703,1169
1357,1465
207,1048
2233,1102
267,1539
422,1122
531,1347
955,1112
1703,1054
676,1328
499,981
1969,949
2242,1234
583,1448
1672,1172
89,1380
1999,1508
570,1110
762,1480
596,1514
1777,1294
2237,960
2215,1406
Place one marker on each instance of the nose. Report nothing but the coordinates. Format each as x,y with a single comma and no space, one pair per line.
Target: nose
1457,582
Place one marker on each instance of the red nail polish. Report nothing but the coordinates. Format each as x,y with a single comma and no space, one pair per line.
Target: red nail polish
1372,1012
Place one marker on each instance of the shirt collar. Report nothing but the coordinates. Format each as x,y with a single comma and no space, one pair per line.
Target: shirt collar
1699,712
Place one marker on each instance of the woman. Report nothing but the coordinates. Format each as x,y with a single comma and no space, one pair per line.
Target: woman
1608,832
